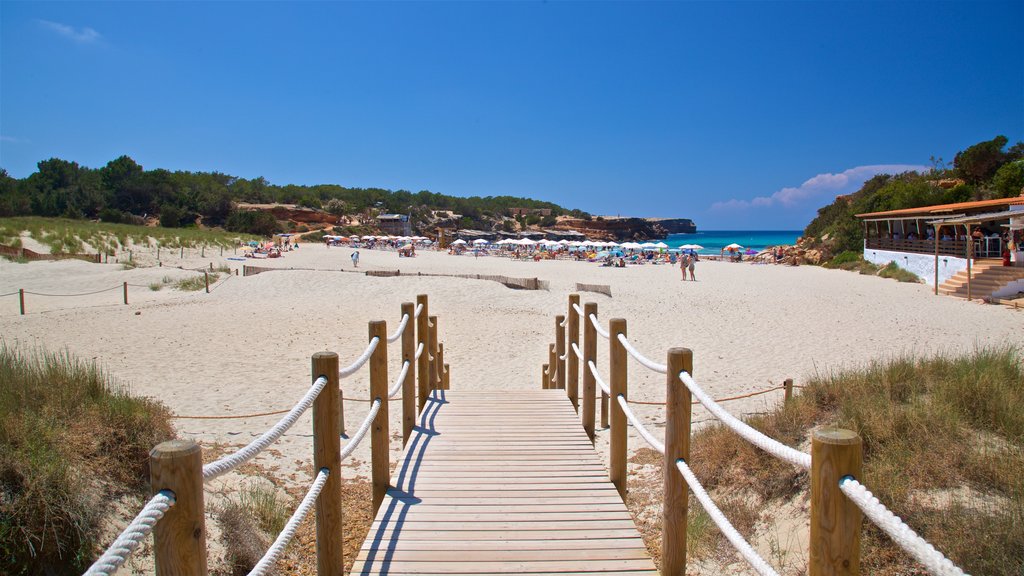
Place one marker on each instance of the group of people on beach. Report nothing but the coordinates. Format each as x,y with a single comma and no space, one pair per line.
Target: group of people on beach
687,262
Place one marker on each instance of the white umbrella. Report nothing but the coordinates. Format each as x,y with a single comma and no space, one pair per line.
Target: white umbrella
661,245
611,244
459,241
648,245
527,242
691,247
479,241
629,245
732,247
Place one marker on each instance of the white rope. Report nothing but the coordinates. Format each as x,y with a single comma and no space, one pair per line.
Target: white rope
769,445
597,378
730,533
419,350
419,308
398,382
597,326
232,461
401,328
351,368
563,356
654,442
363,428
891,524
576,307
138,529
563,322
576,350
286,535
662,368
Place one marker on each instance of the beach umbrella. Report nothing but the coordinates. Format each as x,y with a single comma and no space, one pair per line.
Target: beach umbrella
459,241
629,245
527,242
733,247
661,245
611,244
479,241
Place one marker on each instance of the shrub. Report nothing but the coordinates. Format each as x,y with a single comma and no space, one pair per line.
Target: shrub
892,270
195,283
69,439
844,258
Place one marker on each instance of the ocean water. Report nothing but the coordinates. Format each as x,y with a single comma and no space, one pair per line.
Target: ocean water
714,240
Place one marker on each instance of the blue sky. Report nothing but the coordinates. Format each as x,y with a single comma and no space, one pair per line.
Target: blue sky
745,115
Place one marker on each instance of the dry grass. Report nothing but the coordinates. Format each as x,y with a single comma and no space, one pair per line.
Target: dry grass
71,442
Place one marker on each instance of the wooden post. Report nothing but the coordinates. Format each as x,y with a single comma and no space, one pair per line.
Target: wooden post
379,448
552,366
409,384
202,253
158,252
182,255
589,355
446,382
327,430
433,353
617,384
124,288
180,536
21,300
206,278
440,366
970,253
938,229
572,377
423,337
544,376
560,357
788,385
835,519
677,447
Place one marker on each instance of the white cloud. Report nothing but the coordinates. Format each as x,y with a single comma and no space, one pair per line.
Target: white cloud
11,139
84,35
823,185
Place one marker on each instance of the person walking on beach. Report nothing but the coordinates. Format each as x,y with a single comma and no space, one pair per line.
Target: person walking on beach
692,259
355,259
684,260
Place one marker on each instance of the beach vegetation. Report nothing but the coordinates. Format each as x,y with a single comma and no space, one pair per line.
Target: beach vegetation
943,444
156,286
194,283
249,522
71,442
892,270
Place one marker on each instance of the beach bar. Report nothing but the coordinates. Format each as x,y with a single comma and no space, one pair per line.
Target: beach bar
940,242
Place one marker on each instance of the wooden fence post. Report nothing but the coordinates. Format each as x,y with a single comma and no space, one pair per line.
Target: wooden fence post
835,519
433,353
788,385
617,384
573,374
440,366
423,337
409,384
560,352
182,255
206,278
677,447
589,355
327,431
124,289
21,300
180,536
552,366
380,449
446,381
544,376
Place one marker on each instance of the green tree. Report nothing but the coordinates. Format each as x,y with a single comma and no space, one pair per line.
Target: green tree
979,162
1009,180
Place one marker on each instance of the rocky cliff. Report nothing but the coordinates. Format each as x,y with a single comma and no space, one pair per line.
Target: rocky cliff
620,229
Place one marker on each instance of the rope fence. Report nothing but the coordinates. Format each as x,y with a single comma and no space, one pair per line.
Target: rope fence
835,459
176,516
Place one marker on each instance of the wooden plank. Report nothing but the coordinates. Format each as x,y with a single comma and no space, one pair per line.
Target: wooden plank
523,555
411,543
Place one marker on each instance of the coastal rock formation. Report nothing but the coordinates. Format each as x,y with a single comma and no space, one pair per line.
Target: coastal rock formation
293,213
620,229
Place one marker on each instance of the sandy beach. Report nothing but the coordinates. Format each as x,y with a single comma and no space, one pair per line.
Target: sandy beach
246,346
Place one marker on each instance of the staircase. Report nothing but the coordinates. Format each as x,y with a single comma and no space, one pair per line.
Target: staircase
987,276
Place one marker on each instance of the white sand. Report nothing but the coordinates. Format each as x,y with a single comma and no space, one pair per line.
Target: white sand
246,347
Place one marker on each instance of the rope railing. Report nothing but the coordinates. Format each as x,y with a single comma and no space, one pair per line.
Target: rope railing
834,461
922,551
232,461
141,526
177,469
358,363
766,443
659,368
269,559
73,295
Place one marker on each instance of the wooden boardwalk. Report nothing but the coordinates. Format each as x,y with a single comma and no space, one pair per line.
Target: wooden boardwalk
501,483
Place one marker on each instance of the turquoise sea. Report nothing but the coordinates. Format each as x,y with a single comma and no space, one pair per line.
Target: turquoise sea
714,240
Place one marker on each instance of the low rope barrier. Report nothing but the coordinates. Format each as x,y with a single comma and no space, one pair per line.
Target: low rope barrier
576,350
363,429
419,308
646,434
577,308
597,378
230,462
281,542
399,330
659,368
730,533
126,543
353,367
901,534
399,381
419,350
769,445
118,287
8,294
597,327
231,416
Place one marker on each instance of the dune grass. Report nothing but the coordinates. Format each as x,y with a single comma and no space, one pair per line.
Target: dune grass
943,449
63,235
70,441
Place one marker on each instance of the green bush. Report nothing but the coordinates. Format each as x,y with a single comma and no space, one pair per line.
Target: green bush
70,439
842,258
891,270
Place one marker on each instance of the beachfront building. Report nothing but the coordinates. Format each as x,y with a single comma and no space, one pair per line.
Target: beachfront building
394,224
958,249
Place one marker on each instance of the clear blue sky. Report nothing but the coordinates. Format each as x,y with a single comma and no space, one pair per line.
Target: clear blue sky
738,115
